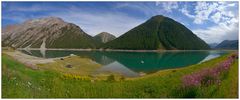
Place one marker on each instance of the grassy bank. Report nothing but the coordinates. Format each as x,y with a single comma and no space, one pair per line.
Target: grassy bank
18,81
78,65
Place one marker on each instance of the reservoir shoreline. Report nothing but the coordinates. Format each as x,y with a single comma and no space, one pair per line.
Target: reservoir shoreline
118,50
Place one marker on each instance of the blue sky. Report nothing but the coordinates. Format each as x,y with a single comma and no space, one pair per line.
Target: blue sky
211,21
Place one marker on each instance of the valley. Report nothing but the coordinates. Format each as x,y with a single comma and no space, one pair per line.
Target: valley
119,52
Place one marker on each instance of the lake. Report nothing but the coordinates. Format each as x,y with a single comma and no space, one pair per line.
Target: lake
131,64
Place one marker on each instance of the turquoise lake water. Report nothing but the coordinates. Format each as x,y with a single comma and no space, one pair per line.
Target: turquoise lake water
132,63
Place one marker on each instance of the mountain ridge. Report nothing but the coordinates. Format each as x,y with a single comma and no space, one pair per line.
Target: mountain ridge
228,44
157,33
54,30
104,37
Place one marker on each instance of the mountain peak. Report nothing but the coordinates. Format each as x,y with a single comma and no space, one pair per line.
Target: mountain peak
158,18
104,33
104,37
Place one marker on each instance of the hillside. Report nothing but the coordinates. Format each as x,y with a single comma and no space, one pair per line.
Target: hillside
228,44
158,32
50,32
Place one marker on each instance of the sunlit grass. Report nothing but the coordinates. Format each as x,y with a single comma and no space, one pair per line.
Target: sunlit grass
79,66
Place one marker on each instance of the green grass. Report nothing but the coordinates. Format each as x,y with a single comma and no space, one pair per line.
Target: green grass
79,66
51,84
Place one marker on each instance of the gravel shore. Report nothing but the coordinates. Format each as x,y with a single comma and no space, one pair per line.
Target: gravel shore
28,60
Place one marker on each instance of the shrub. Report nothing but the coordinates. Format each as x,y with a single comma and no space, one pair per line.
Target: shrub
110,78
76,77
122,78
184,92
149,90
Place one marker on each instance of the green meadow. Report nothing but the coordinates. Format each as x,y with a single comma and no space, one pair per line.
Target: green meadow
19,81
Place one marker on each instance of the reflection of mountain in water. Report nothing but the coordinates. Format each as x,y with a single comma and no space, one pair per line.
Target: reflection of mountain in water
96,56
36,53
43,52
135,61
117,67
152,61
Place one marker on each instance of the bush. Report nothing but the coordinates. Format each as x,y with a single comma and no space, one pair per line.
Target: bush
184,92
150,90
122,78
76,77
110,78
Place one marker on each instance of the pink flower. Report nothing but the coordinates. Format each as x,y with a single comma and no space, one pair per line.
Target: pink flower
208,76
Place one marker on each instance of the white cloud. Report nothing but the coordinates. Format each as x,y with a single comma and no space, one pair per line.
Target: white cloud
223,14
216,17
217,34
203,11
185,11
211,11
168,6
232,4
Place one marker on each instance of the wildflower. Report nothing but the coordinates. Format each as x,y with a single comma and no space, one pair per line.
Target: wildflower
208,76
29,83
218,82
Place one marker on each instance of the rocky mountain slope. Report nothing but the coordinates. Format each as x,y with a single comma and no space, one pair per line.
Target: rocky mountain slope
159,32
104,37
52,32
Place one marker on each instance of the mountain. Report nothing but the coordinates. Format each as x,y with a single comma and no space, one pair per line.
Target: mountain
213,45
158,32
228,44
50,32
104,37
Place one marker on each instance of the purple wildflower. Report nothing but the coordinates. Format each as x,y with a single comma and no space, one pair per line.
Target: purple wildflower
209,76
